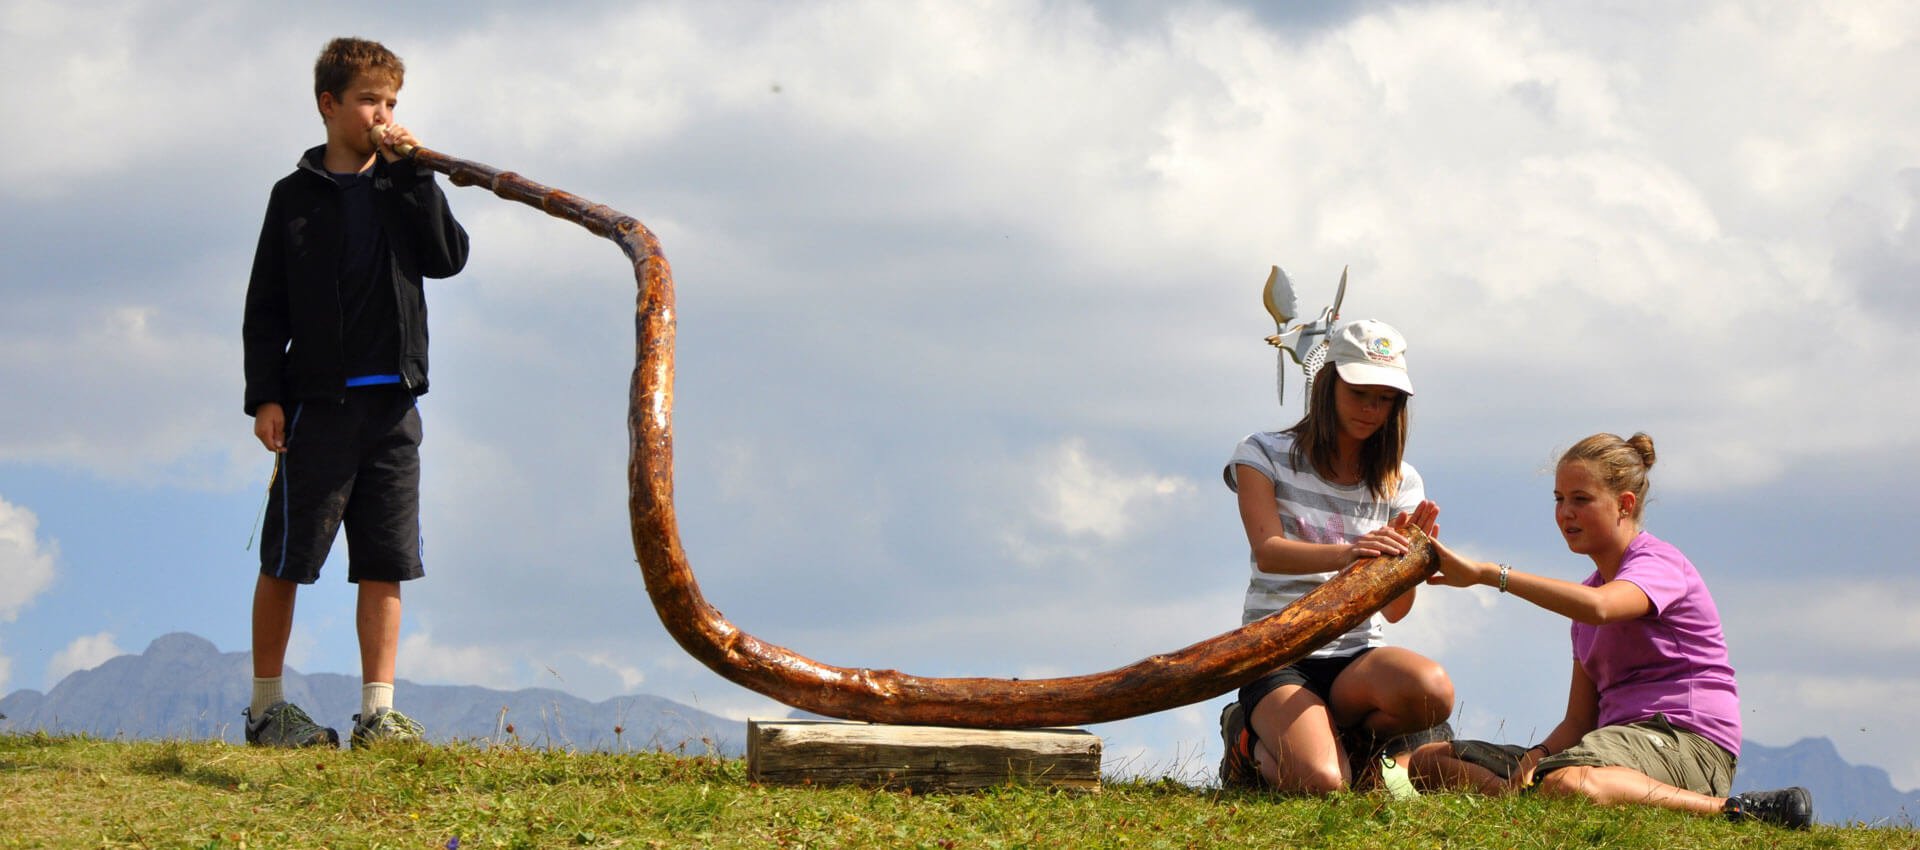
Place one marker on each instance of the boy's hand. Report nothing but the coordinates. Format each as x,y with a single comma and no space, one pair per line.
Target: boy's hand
270,425
393,141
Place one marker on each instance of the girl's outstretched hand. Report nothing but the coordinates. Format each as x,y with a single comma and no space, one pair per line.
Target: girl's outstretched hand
1456,571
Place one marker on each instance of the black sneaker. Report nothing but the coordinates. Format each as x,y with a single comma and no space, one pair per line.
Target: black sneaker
1237,767
1788,807
283,724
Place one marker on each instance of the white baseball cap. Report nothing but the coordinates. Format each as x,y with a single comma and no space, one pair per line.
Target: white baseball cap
1369,351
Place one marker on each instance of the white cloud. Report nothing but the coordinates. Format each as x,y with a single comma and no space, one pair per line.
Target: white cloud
84,653
631,677
26,561
85,74
422,659
1527,168
1079,495
737,703
959,282
1446,620
121,357
1074,516
1848,616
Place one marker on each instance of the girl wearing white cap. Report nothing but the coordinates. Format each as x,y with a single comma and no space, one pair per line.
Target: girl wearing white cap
1314,498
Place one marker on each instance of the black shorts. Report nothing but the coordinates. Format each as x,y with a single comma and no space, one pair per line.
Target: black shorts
1499,759
356,463
1314,674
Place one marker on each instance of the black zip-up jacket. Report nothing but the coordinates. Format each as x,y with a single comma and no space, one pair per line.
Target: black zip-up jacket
293,326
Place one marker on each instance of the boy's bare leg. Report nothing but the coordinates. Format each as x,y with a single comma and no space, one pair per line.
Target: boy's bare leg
1434,768
272,624
377,618
1615,785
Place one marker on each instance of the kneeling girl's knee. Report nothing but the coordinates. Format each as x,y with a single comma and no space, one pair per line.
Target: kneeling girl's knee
1436,693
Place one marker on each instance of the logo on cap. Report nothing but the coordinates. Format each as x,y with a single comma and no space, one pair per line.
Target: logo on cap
1380,346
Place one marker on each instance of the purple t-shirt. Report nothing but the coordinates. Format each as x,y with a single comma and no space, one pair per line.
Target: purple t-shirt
1672,661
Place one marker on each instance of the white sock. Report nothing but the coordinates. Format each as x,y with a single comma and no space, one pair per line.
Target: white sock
266,692
375,696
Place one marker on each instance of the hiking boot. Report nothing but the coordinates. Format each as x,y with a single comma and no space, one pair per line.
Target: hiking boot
1237,767
283,724
1788,807
386,726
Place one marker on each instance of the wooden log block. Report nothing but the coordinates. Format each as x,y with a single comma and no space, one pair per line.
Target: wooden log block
920,758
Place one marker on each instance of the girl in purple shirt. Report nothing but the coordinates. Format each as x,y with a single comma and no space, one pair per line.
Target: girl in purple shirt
1653,713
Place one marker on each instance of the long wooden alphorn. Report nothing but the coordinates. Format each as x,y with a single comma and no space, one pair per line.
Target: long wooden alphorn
1156,683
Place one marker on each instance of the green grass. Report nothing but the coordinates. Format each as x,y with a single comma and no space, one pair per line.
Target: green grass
83,792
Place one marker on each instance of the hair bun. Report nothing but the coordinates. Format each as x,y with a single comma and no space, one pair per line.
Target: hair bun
1643,444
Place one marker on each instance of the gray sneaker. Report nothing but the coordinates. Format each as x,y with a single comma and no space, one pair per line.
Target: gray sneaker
283,724
386,726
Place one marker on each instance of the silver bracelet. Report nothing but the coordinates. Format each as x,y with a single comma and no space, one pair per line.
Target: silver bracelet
1504,569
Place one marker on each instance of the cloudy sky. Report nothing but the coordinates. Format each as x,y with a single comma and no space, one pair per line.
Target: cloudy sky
969,321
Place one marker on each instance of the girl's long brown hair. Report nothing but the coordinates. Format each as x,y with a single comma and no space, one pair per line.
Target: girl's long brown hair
1315,438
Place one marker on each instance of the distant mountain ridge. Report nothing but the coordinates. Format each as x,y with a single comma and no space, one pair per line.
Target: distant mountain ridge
1842,792
183,686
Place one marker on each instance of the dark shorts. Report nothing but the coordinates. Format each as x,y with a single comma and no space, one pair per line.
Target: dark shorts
1499,759
355,463
1314,674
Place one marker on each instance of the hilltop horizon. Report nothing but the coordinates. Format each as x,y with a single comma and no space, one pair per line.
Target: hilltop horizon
192,689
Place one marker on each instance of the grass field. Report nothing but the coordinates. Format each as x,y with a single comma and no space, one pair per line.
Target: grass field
79,792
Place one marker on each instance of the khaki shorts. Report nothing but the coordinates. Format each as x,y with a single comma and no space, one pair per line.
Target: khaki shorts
1654,747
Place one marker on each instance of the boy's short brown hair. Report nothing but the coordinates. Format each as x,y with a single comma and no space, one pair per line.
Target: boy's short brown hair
344,58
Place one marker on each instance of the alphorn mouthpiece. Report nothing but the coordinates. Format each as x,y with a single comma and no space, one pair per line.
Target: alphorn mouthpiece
380,137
